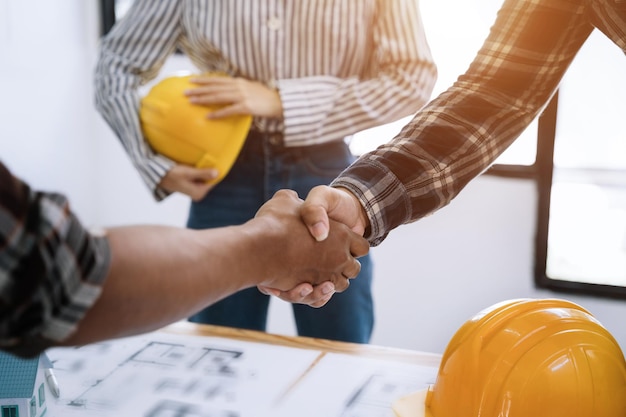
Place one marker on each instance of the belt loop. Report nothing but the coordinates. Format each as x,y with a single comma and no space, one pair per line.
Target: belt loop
270,140
276,139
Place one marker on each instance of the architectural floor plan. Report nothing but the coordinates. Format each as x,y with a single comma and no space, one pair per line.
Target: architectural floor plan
170,375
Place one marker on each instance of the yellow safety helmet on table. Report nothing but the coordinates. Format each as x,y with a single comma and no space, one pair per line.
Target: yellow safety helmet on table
180,130
526,358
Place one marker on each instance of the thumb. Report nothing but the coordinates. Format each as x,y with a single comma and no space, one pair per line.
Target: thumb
205,174
339,204
314,211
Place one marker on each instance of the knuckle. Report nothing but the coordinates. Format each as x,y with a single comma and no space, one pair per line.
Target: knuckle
286,193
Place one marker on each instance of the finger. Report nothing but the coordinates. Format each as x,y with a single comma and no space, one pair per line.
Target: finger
227,111
342,284
198,92
315,296
316,220
201,79
340,204
295,295
321,302
359,246
209,98
199,191
212,80
205,174
320,295
191,173
269,291
314,212
280,203
287,193
352,270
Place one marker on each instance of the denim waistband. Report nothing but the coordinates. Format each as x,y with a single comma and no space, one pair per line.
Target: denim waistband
260,142
273,140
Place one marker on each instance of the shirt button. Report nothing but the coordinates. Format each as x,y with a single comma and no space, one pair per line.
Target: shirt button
275,139
274,23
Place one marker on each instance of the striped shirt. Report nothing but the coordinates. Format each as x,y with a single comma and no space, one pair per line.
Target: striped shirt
460,133
340,66
51,269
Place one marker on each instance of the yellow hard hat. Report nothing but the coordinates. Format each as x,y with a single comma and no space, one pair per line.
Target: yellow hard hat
526,358
178,129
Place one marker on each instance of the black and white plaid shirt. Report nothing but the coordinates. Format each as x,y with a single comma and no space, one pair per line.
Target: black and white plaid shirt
51,268
460,133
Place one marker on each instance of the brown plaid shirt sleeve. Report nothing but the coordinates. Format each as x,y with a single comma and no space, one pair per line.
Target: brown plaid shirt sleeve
460,133
51,268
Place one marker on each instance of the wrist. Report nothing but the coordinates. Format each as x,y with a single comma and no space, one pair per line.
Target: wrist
278,104
362,221
259,237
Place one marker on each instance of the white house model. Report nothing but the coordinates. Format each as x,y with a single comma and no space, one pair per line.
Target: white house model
23,386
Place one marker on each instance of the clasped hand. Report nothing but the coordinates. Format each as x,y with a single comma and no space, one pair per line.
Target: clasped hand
318,251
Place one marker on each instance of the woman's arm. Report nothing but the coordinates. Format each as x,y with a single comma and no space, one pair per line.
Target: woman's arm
396,82
130,55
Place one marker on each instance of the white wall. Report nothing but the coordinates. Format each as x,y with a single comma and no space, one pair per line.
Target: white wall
46,113
431,276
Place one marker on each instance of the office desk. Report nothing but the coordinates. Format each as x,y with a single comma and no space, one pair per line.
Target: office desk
321,345
190,370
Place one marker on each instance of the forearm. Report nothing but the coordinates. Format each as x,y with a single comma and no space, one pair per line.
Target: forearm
120,112
460,133
65,286
394,81
160,274
318,109
131,54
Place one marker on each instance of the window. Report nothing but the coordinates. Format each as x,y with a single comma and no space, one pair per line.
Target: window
42,395
112,10
33,406
454,39
578,160
10,411
581,235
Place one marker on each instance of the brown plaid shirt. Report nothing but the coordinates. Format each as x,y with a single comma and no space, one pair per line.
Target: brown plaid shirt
460,133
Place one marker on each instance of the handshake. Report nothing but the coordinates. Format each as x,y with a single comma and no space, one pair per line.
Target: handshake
308,249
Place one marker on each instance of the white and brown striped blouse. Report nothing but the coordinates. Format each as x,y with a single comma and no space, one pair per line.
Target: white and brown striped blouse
340,66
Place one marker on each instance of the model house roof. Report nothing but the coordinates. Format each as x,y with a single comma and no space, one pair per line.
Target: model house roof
18,376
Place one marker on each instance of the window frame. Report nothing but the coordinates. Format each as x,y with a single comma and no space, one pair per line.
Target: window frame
107,16
541,172
33,406
42,394
14,411
546,136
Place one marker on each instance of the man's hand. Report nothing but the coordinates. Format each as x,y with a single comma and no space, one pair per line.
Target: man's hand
314,296
296,260
194,182
324,203
236,96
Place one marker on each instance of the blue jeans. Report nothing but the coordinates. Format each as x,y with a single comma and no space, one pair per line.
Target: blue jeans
260,170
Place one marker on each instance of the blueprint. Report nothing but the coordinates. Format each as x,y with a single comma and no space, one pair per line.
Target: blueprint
354,386
164,374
